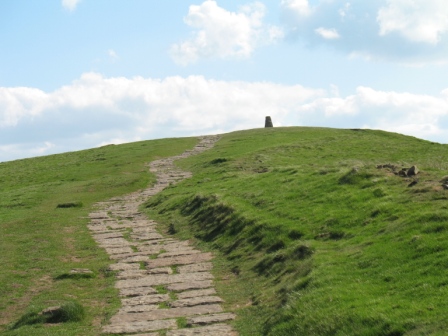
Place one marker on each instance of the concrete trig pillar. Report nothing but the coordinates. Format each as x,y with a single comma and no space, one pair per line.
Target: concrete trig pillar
268,122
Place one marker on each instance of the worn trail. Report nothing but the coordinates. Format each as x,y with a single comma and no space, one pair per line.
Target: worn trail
165,284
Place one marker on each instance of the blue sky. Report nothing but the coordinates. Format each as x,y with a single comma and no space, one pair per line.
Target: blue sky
77,74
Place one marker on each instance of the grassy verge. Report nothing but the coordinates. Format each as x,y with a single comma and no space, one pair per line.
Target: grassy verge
312,237
44,204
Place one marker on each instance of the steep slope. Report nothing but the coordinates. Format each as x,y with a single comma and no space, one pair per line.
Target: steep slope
320,232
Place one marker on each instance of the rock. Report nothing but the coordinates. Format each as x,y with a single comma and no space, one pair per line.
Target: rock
402,173
413,183
162,314
180,260
215,330
139,326
413,171
268,122
138,308
124,267
146,299
444,180
196,293
50,311
195,301
388,165
210,319
163,279
190,285
192,268
137,291
80,271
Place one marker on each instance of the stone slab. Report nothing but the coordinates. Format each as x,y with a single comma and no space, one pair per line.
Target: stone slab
108,235
177,287
163,279
132,274
195,301
139,326
135,258
160,314
124,266
180,252
138,308
213,330
181,260
119,250
114,242
160,270
128,256
150,249
146,236
200,267
210,319
137,291
196,293
145,299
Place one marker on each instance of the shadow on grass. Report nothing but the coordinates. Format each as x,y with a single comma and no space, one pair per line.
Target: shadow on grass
69,205
75,276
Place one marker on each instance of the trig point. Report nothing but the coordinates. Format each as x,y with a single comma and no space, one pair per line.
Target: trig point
268,122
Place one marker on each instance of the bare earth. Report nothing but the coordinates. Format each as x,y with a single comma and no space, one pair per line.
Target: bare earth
160,279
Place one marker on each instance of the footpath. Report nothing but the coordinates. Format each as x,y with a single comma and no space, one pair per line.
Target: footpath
165,284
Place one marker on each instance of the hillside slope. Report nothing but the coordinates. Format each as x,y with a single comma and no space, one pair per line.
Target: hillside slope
318,232
44,207
311,236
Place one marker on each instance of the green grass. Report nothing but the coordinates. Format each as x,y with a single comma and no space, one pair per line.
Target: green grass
313,239
44,204
310,237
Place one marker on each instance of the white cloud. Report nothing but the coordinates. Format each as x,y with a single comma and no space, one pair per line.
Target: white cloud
423,116
70,4
298,7
404,31
344,10
20,102
329,34
223,34
95,110
113,56
418,20
20,150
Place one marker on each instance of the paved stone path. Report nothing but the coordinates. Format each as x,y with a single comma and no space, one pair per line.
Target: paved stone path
163,282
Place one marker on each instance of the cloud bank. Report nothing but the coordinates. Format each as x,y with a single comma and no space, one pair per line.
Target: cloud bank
95,110
396,30
223,34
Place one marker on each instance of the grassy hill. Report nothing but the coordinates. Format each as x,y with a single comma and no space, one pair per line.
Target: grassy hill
44,204
311,237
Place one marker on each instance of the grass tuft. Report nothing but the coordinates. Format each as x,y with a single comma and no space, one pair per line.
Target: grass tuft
68,312
69,205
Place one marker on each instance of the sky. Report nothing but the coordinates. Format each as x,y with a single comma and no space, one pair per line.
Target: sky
78,74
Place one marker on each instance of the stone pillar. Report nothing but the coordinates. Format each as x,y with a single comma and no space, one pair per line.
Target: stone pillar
268,122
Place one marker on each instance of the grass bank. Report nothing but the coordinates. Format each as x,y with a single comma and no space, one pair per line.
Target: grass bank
44,204
313,238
